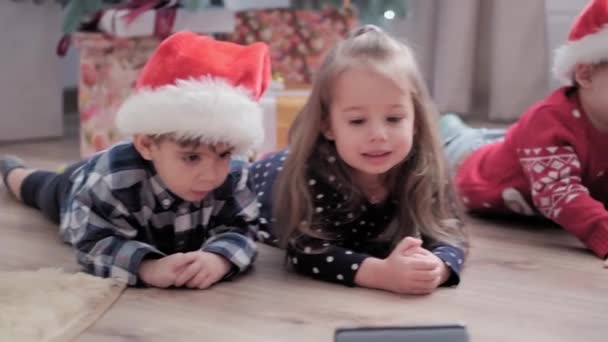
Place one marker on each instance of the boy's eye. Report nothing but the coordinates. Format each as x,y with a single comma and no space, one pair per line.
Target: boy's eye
357,121
394,119
226,154
191,158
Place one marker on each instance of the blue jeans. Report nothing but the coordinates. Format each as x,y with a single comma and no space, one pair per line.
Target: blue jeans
460,139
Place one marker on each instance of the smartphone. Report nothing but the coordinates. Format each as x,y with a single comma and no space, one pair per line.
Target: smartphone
431,333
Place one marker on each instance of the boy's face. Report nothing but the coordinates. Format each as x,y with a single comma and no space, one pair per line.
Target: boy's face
190,172
595,95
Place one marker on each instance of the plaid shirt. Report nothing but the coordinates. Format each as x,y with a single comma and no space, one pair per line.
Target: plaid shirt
118,213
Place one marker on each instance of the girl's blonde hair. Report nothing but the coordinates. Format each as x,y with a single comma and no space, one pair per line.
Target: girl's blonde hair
420,184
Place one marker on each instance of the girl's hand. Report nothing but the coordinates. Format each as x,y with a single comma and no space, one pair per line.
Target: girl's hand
415,270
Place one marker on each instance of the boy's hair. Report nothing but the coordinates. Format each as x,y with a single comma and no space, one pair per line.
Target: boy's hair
195,87
182,141
420,184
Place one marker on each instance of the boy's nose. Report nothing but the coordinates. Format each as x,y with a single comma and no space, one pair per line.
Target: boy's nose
206,174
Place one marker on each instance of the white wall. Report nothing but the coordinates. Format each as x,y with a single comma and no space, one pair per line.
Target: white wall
30,72
560,16
70,68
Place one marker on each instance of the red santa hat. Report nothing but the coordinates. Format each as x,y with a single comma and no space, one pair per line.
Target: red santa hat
196,87
587,42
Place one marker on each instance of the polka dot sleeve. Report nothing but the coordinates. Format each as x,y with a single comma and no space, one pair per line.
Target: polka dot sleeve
263,175
453,257
323,261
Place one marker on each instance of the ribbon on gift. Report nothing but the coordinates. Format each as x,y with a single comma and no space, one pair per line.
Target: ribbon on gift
165,15
166,12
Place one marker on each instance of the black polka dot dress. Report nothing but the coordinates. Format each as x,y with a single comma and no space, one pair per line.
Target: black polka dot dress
346,235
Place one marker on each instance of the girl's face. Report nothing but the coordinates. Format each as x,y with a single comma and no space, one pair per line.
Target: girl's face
371,121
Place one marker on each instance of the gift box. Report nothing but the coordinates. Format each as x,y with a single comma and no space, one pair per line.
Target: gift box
124,23
109,67
298,39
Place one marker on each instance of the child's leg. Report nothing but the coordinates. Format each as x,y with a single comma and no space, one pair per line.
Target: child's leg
13,172
43,190
459,139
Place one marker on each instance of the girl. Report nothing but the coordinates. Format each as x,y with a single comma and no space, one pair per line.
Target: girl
362,197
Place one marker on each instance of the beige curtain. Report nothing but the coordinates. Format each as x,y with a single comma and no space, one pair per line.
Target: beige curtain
484,58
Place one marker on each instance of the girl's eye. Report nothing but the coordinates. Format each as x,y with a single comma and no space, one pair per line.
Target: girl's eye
394,119
192,158
357,122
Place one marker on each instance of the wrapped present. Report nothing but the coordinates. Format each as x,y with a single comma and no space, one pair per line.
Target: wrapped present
127,23
298,39
243,5
280,109
109,67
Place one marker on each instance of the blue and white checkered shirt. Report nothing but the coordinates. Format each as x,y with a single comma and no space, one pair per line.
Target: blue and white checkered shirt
118,213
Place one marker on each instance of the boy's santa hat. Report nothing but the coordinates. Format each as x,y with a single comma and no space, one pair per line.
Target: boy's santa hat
196,87
587,42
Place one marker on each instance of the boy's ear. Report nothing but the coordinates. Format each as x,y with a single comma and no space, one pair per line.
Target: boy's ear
583,73
143,144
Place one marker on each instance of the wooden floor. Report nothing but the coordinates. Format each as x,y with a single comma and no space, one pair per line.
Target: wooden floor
523,282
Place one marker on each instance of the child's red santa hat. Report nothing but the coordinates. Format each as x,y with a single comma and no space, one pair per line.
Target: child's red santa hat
587,42
196,87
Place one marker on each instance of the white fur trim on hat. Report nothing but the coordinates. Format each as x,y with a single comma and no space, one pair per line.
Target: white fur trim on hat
209,109
593,48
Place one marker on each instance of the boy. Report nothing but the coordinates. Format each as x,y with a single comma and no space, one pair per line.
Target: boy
166,209
552,161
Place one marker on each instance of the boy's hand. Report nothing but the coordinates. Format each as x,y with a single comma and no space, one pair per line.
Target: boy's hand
205,270
164,271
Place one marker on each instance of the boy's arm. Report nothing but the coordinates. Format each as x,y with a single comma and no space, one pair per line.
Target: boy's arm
98,226
558,193
554,171
236,225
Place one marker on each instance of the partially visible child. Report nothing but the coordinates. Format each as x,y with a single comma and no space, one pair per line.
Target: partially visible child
166,209
362,195
552,161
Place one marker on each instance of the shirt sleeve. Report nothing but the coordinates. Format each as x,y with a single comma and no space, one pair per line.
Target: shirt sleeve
554,171
263,176
324,261
103,232
236,225
453,258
